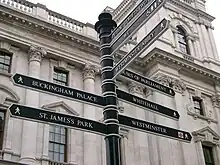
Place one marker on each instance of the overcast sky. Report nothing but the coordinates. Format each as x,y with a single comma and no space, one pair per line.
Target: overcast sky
88,10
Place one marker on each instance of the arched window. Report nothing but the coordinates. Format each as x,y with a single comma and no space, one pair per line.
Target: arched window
181,37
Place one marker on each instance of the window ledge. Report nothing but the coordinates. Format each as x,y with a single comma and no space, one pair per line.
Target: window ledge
186,56
5,74
195,115
60,163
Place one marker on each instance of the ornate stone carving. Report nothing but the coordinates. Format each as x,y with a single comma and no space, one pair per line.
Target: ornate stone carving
216,100
176,84
148,92
36,53
206,135
136,88
89,71
5,45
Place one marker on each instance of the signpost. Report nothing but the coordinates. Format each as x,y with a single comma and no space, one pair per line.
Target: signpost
148,82
141,47
143,103
118,39
48,87
39,115
160,130
110,42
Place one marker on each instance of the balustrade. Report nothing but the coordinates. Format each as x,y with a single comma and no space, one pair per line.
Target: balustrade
22,5
65,21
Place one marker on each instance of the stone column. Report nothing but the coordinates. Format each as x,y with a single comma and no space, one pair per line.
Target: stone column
90,140
191,47
201,41
206,41
213,43
201,159
217,153
174,31
141,148
29,133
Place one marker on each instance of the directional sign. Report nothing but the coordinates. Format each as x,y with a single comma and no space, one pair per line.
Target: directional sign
148,82
48,87
141,47
39,115
141,15
131,17
143,103
161,130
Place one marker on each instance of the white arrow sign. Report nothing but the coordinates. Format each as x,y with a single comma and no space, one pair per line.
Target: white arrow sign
141,47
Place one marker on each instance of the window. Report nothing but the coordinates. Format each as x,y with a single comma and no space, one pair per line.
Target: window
5,62
181,37
208,155
2,122
60,76
198,105
57,143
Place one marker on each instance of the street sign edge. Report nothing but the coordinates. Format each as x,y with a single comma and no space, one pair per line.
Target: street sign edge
152,111
151,42
112,53
133,20
35,120
153,132
39,90
149,86
157,134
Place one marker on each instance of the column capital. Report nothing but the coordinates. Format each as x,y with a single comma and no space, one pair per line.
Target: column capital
216,100
190,37
89,71
36,53
136,88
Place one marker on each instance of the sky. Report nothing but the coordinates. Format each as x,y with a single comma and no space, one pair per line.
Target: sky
88,10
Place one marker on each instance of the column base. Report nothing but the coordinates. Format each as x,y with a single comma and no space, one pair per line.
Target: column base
27,160
7,153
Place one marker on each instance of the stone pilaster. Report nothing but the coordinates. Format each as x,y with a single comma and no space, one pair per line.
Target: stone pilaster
90,140
213,43
201,160
201,41
207,47
141,148
29,133
216,106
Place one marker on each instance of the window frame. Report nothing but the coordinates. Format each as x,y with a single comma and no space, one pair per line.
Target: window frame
181,33
200,101
4,54
211,150
57,70
3,129
59,143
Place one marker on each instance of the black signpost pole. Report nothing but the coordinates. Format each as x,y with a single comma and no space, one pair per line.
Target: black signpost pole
104,27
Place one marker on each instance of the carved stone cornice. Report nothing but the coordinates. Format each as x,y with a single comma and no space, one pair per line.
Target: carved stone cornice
171,82
165,58
136,88
216,100
36,53
89,71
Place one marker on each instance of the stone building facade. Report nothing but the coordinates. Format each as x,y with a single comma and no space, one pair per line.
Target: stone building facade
41,43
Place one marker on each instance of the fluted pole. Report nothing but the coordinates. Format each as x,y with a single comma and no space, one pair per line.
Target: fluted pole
104,27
